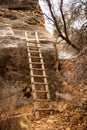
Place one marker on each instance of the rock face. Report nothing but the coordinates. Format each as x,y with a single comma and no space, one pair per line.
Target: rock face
14,10
74,69
74,64
16,17
20,3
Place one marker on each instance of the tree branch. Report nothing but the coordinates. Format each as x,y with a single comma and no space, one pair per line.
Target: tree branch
58,28
63,18
82,2
47,17
54,19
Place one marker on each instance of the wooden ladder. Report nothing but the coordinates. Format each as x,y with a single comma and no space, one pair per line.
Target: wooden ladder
39,83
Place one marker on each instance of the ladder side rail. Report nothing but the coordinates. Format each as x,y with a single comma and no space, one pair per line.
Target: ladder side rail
33,88
32,81
40,55
29,58
45,81
43,67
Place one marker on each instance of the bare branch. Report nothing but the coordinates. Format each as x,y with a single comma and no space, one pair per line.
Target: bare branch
47,17
82,2
63,18
58,28
54,19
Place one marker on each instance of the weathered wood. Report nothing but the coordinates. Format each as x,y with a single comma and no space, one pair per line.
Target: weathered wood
45,109
34,84
39,83
43,100
36,63
38,69
36,57
38,91
34,51
41,76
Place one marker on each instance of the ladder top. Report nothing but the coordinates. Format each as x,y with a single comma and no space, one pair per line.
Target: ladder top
40,40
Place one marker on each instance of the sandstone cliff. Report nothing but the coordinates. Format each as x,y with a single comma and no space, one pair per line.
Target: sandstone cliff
70,83
21,16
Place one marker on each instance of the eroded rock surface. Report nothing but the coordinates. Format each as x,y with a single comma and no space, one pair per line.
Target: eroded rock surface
71,100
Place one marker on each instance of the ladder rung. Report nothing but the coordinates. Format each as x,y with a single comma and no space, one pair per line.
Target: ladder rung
39,83
38,76
36,57
38,91
36,63
34,51
37,69
44,100
33,46
44,109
